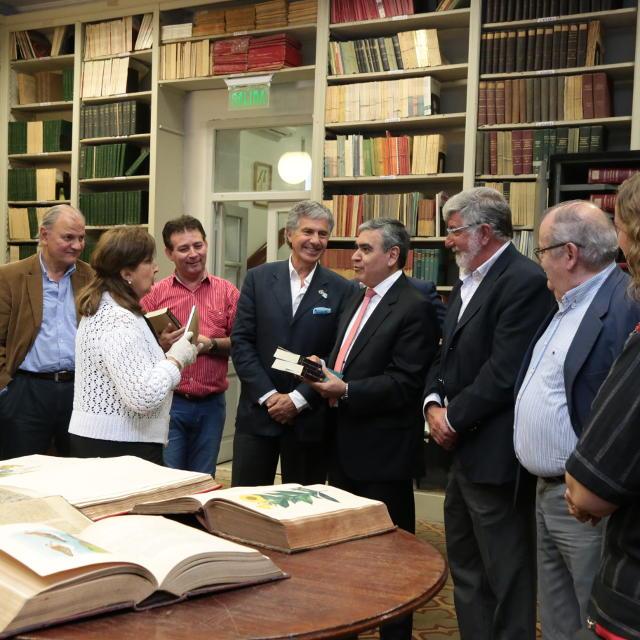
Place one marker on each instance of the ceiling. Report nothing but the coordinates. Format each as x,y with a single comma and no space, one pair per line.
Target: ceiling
11,7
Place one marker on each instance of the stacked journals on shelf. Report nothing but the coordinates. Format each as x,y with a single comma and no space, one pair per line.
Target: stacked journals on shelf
110,160
111,76
21,251
607,175
508,10
271,14
176,31
606,201
115,207
209,22
24,222
114,119
45,86
428,264
544,99
240,19
41,185
415,211
349,11
522,151
388,100
273,52
302,12
111,37
356,156
533,49
521,197
230,56
26,45
39,136
404,50
184,60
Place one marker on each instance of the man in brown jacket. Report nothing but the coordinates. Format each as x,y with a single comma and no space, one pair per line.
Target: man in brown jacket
38,321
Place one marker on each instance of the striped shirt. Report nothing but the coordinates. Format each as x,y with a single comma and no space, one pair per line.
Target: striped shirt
217,301
543,435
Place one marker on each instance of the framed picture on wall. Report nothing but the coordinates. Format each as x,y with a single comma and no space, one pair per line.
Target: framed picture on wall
262,173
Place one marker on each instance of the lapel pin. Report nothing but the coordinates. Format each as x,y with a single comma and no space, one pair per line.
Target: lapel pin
323,293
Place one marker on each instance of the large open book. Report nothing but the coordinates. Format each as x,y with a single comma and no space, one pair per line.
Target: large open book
101,487
286,517
48,575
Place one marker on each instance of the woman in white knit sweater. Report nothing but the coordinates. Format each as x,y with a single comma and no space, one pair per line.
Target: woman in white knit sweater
124,381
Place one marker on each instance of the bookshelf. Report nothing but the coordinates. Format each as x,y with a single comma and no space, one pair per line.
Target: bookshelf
552,84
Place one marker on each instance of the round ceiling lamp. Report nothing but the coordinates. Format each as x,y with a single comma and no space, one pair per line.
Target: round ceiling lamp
294,166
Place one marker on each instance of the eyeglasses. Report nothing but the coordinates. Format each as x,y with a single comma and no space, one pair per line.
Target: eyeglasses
456,231
540,250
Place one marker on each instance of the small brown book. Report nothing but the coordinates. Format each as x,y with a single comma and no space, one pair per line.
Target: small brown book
160,319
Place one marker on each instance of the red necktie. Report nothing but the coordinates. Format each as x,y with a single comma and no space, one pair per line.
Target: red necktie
348,341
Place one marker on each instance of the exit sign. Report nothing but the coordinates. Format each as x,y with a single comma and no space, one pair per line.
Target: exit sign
251,97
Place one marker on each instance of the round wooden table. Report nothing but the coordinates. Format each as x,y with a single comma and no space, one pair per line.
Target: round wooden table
334,591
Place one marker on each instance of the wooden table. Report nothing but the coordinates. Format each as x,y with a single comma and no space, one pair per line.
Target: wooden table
332,592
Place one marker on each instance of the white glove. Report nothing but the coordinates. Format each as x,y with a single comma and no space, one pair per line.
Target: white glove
183,351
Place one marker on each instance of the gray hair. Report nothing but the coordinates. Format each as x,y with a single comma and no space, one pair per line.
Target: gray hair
308,209
595,234
482,205
56,211
394,234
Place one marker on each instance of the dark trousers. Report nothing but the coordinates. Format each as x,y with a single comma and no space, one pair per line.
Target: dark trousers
492,557
398,496
82,447
255,459
35,413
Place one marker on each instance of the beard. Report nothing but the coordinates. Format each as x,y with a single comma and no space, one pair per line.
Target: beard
465,258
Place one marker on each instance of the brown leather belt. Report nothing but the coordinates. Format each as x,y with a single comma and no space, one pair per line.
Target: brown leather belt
55,376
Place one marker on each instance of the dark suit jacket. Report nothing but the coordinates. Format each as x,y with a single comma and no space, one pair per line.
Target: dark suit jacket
606,325
263,323
377,428
479,361
429,291
21,307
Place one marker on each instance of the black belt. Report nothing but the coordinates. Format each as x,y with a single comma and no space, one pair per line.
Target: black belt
191,398
55,376
552,479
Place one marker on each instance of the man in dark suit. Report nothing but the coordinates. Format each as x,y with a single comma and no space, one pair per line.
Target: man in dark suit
386,340
294,304
565,366
493,313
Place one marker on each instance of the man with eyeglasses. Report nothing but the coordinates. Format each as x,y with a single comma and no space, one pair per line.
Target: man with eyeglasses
567,362
493,313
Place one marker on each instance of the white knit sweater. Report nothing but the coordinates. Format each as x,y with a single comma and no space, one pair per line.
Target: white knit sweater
124,384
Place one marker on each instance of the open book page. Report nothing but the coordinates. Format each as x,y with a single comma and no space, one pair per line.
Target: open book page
83,481
292,501
9,495
53,511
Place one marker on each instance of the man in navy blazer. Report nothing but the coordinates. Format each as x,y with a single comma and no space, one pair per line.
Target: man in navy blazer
493,313
294,304
563,369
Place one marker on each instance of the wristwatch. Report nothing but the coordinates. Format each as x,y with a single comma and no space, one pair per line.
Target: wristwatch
345,395
214,346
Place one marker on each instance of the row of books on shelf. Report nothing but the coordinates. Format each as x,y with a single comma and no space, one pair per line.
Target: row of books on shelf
544,99
24,222
114,119
21,251
606,201
185,60
41,185
45,86
112,76
523,241
509,10
115,207
355,155
350,11
413,209
535,49
522,151
27,45
384,100
39,136
111,160
405,50
122,35
521,197
608,175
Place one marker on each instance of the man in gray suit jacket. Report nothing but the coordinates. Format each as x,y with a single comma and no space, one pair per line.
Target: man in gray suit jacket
294,304
567,362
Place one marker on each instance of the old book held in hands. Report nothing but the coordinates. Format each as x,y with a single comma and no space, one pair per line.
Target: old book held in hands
48,575
286,517
160,319
100,487
297,365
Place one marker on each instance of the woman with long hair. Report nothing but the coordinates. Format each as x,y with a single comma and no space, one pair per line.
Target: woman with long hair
124,381
603,474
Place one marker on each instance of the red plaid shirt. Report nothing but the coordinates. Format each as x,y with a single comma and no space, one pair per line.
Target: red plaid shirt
217,301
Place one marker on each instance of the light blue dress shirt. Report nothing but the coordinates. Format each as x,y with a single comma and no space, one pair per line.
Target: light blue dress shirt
54,346
543,435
